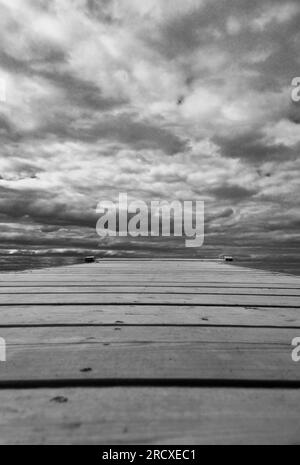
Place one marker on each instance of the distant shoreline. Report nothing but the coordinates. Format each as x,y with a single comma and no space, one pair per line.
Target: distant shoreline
284,268
24,263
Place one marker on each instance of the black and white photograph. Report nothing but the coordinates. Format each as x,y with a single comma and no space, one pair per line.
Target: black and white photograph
149,225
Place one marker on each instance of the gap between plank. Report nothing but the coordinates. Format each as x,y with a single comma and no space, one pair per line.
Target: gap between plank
145,382
146,293
146,304
141,325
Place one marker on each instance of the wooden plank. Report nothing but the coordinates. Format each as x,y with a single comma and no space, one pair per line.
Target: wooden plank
225,331
144,353
163,263
148,315
161,416
154,271
153,283
127,279
247,287
145,289
155,276
174,268
148,299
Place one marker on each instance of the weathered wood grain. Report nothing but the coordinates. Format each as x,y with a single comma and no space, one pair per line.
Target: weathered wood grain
147,289
247,287
107,278
159,416
32,315
148,299
158,322
146,353
196,271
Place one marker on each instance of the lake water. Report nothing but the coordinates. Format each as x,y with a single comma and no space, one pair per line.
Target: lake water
282,263
28,262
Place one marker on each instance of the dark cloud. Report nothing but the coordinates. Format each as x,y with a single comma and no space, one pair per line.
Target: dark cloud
233,192
253,148
206,82
76,91
11,63
101,10
80,92
140,135
283,224
40,207
6,127
227,213
137,135
207,25
42,55
294,113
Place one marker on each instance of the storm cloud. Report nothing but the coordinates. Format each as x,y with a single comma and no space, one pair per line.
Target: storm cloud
162,99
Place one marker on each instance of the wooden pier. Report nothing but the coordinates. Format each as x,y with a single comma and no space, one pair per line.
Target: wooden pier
149,352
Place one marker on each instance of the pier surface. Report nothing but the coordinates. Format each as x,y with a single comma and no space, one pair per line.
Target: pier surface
149,352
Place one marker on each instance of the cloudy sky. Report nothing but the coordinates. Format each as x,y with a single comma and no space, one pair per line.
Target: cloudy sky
162,99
